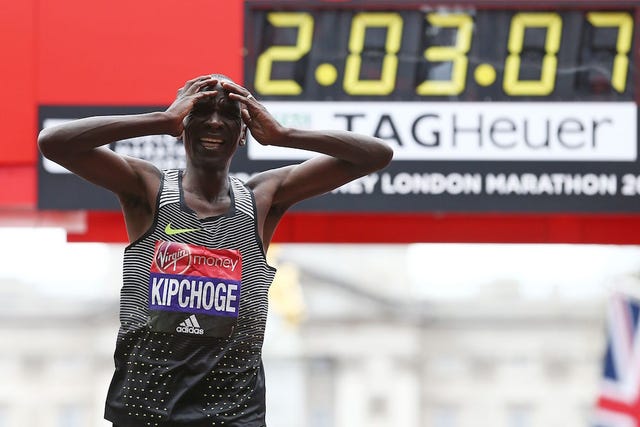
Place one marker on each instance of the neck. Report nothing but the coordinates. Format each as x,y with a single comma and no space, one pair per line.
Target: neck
207,185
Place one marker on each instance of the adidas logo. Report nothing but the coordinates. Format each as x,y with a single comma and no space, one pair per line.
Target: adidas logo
190,325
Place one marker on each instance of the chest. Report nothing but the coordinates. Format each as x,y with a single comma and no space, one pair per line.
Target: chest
207,208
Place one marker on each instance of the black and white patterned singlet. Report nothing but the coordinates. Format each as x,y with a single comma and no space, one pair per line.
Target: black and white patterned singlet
189,347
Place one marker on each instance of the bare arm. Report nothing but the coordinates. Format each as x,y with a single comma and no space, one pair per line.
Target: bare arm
80,147
347,156
344,156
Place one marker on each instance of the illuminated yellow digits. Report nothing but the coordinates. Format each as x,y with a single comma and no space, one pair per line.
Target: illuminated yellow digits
353,85
512,84
264,84
456,54
624,22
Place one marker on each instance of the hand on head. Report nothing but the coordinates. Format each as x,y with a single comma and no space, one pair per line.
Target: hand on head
186,98
263,126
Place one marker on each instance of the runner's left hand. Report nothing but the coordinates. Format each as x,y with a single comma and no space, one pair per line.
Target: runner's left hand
263,126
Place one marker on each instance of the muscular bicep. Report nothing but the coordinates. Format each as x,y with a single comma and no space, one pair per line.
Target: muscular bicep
311,178
276,190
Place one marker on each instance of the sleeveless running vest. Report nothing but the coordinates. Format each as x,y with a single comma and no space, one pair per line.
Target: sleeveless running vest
193,309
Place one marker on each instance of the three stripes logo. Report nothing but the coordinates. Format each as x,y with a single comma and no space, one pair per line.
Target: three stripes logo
190,325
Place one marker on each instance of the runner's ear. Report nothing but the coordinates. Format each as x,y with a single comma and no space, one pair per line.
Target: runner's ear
244,135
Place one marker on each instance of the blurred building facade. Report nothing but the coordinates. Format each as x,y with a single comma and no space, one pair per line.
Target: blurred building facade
339,352
495,361
55,358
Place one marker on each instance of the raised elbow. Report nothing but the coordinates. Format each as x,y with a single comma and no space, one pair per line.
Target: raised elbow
387,155
48,144
45,143
382,156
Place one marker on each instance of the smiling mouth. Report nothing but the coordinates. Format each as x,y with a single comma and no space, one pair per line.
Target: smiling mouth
211,143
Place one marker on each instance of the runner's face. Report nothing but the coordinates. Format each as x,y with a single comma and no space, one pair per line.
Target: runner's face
213,128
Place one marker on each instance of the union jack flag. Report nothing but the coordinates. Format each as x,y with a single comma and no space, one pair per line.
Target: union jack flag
619,402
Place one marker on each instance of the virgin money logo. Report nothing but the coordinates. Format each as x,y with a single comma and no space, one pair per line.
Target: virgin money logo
172,257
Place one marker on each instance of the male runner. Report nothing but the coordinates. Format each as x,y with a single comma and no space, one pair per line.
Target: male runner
194,299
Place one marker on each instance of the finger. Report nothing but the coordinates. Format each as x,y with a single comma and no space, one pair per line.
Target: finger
246,117
211,81
190,83
245,99
195,79
205,94
208,81
194,85
235,88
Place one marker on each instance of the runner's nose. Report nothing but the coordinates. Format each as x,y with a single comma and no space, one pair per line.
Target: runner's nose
214,120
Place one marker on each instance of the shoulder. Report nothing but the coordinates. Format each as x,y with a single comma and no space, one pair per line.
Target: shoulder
265,184
144,167
265,187
149,178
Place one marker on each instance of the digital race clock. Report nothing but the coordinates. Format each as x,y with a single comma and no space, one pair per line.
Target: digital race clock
489,106
430,52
